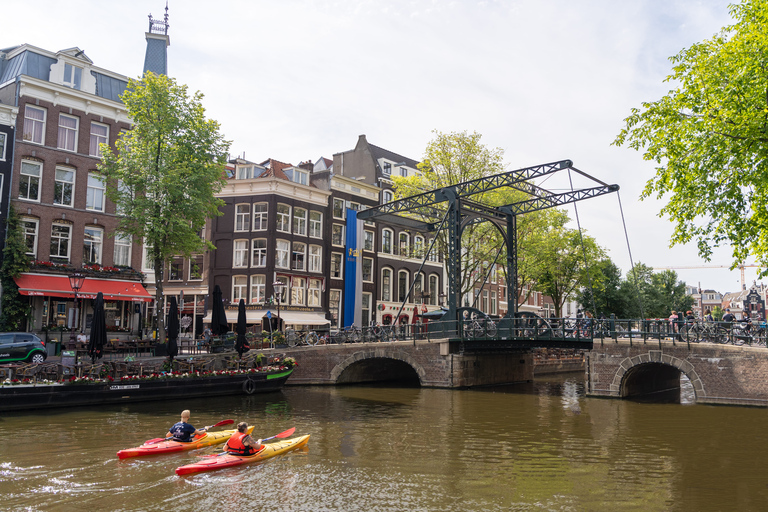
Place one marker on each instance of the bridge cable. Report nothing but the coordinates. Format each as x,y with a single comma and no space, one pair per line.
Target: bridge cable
583,250
631,262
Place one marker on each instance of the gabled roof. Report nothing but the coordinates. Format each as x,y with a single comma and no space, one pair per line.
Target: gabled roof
378,153
274,169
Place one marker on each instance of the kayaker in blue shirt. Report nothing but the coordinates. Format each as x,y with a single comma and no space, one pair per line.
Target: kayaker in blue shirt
183,431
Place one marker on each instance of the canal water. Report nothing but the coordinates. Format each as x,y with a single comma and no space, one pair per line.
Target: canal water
540,447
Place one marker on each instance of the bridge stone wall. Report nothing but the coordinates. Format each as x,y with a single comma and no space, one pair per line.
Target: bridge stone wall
720,374
433,362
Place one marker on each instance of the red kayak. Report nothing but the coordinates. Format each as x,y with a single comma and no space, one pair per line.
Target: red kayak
226,460
150,448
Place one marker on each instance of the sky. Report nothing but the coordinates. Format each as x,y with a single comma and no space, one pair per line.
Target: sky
544,80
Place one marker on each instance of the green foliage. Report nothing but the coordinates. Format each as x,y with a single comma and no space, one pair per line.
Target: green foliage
608,293
660,293
165,171
709,138
15,308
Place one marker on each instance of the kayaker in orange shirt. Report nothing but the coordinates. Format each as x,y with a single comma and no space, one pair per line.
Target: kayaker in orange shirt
241,443
183,431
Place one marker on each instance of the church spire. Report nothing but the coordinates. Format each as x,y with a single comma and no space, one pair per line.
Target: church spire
156,58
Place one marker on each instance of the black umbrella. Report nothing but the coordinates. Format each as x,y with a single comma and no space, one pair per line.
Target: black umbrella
98,329
219,324
173,329
241,328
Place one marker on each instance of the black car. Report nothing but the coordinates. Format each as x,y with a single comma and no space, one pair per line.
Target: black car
21,346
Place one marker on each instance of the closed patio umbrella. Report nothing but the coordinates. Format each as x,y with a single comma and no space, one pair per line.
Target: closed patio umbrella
241,328
219,323
173,329
98,329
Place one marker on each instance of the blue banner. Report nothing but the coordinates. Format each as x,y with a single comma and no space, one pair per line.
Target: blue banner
353,272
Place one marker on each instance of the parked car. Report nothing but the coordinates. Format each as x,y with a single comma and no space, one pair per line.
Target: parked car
21,346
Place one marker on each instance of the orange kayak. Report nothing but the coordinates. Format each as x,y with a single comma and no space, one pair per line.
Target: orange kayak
207,439
226,460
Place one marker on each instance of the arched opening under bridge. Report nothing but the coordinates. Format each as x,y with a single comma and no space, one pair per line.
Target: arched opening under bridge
377,370
657,383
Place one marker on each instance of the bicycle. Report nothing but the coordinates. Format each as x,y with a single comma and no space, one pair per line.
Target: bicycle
480,327
381,332
351,334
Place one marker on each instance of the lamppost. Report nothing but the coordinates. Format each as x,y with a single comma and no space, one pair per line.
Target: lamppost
278,287
76,282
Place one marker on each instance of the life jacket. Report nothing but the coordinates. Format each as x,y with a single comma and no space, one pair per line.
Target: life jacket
235,445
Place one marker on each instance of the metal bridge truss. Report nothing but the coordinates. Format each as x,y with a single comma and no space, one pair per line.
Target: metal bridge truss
454,207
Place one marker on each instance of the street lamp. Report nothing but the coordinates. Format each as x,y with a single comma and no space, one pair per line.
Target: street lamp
76,282
278,286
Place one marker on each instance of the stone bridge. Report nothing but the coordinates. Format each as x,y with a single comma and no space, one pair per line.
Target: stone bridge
428,364
719,374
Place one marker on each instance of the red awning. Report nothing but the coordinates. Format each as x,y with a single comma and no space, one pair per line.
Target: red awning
58,286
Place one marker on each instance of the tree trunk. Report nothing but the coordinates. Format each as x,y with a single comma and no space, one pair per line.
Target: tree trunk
159,299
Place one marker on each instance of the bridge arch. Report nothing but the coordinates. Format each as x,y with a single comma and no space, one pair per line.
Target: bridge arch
377,365
654,372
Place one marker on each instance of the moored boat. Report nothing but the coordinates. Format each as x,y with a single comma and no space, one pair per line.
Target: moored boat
171,446
226,460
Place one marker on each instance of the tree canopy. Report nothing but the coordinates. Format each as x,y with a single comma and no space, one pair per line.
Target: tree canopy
165,172
709,138
15,309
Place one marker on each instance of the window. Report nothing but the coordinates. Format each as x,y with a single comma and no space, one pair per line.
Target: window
3,138
298,288
283,218
386,241
366,307
386,197
368,270
315,258
281,254
61,237
196,268
298,256
282,292
316,224
484,303
239,288
122,254
72,76
368,240
418,287
386,284
245,172
242,217
334,306
67,132
299,221
337,235
92,245
259,252
148,263
64,186
259,216
258,289
176,272
240,254
29,182
402,285
29,228
99,135
403,172
403,247
433,290
338,208
418,246
94,198
336,265
297,175
34,124
387,169
314,294
432,256
494,303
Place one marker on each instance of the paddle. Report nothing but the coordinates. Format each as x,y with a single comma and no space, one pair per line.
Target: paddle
281,435
161,439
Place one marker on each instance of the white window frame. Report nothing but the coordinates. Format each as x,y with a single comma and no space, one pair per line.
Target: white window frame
369,238
403,248
283,289
30,179
340,256
192,263
67,241
67,133
386,169
259,252
282,254
335,296
315,292
94,148
404,288
123,246
384,233
298,291
298,256
239,288
315,225
315,258
386,288
258,288
26,221
94,192
73,79
434,290
240,252
63,185
300,221
242,217
386,196
283,219
261,216
338,228
337,201
418,246
147,264
33,125
96,244
3,145
369,278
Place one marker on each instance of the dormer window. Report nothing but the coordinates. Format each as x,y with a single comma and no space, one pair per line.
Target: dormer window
73,76
297,175
403,172
387,169
245,173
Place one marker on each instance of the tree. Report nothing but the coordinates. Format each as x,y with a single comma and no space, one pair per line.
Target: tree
606,291
15,308
660,292
165,173
709,139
